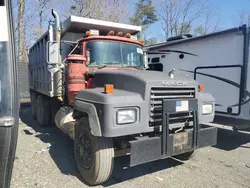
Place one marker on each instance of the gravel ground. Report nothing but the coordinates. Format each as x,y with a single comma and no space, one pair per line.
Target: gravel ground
225,165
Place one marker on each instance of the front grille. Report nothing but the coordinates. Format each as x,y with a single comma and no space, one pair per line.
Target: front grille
159,93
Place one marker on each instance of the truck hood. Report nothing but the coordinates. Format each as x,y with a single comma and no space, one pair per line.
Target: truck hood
140,81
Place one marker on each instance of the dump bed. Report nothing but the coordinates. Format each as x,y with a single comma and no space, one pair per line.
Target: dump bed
39,76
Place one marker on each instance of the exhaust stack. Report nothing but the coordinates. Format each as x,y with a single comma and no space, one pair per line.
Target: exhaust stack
58,75
58,27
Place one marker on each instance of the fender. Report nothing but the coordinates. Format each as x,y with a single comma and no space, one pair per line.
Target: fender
90,109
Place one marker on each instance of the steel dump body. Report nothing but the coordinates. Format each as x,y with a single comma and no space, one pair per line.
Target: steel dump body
44,77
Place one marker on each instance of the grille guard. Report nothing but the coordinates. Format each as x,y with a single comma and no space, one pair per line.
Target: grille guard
165,144
158,94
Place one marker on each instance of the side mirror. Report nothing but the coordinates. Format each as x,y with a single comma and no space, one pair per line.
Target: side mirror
87,57
53,52
145,59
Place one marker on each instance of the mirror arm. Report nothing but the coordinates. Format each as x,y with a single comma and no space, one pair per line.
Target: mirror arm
145,59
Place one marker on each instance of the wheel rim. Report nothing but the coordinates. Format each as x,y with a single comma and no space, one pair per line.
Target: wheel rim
85,150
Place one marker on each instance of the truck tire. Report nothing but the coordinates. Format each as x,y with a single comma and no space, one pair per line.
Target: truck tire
43,111
33,105
94,155
55,105
185,156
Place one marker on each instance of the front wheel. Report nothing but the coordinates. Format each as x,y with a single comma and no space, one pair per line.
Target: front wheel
185,156
94,155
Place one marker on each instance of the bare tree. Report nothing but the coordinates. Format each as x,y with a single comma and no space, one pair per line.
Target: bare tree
42,4
209,15
209,22
242,17
22,54
179,15
110,10
33,15
37,15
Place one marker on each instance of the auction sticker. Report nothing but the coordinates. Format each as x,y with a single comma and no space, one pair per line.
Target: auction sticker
139,51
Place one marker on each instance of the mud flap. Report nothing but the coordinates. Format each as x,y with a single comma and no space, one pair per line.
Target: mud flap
145,150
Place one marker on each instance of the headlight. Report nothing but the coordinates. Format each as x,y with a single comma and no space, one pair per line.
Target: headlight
207,109
126,116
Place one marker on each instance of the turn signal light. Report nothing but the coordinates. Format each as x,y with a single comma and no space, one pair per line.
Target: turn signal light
108,88
119,34
92,32
111,33
88,33
142,41
128,35
201,88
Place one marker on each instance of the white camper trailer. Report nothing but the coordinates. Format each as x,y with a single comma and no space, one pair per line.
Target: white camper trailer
219,61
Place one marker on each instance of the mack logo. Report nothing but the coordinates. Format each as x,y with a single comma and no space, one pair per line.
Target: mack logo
173,83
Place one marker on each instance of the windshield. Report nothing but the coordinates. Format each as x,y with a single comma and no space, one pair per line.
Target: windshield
107,53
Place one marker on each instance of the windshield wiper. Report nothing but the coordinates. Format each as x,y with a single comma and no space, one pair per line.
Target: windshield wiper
108,63
136,67
117,63
111,63
102,66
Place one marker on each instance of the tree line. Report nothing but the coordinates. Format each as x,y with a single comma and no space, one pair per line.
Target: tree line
176,17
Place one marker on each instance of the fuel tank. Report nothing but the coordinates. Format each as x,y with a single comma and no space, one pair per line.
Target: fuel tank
65,121
76,69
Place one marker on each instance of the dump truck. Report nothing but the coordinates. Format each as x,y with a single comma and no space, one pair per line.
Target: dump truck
89,78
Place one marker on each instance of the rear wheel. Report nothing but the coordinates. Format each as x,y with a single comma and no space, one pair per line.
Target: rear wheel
185,156
94,155
33,97
55,105
43,111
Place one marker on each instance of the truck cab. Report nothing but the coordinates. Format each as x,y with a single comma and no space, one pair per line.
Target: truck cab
96,89
114,51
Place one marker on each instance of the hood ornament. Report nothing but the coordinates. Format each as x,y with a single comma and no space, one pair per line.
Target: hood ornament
171,73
